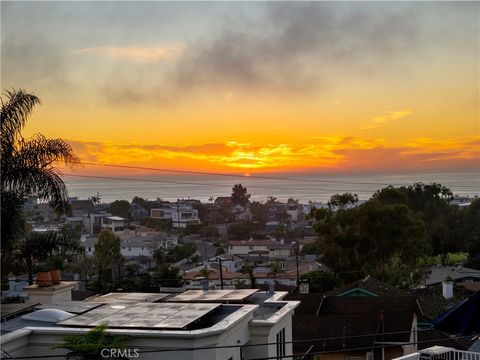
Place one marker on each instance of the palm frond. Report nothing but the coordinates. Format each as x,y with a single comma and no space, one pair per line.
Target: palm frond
32,181
14,113
41,245
42,152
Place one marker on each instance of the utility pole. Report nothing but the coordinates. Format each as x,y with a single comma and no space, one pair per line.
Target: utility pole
221,273
297,243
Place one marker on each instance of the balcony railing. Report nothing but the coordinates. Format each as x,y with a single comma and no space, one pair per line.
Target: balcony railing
441,353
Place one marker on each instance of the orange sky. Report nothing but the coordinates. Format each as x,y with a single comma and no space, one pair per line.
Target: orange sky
252,87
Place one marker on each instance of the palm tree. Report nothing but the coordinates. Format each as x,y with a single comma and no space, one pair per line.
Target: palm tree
38,246
28,165
89,346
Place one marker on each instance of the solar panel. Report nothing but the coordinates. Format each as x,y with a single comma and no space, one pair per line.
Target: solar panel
214,295
110,321
158,315
128,297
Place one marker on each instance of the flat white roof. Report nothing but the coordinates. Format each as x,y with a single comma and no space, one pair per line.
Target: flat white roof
115,218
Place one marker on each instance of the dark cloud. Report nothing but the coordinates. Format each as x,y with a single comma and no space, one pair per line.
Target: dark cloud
33,61
295,47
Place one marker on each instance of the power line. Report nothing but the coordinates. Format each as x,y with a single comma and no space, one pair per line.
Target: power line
250,176
273,343
221,174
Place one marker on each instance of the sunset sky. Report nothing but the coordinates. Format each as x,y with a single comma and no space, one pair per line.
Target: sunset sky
252,87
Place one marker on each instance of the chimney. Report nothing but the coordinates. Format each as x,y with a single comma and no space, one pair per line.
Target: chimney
447,289
51,294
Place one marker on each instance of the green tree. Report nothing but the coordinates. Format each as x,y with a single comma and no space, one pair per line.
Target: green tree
368,237
320,281
120,208
141,201
182,251
39,246
259,212
209,231
108,255
313,248
90,345
340,201
27,165
241,230
471,218
271,200
430,203
240,195
159,257
251,275
83,265
168,276
205,272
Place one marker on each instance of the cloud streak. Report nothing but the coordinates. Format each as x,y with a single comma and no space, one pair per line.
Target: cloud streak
386,117
325,153
138,53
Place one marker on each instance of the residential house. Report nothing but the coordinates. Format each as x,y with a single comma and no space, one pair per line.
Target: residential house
277,215
223,201
458,274
241,213
93,222
81,207
181,213
368,286
350,327
230,262
138,212
246,247
116,224
221,324
193,278
135,245
280,250
212,214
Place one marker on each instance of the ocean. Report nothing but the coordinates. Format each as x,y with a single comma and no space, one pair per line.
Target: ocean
301,186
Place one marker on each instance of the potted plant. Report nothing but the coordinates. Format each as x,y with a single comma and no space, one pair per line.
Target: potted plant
44,278
55,275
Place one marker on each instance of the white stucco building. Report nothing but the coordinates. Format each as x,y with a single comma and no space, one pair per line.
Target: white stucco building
203,325
180,213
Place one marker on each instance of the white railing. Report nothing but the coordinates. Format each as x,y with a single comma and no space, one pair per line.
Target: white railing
414,356
449,354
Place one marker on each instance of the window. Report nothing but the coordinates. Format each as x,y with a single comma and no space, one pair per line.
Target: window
281,351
